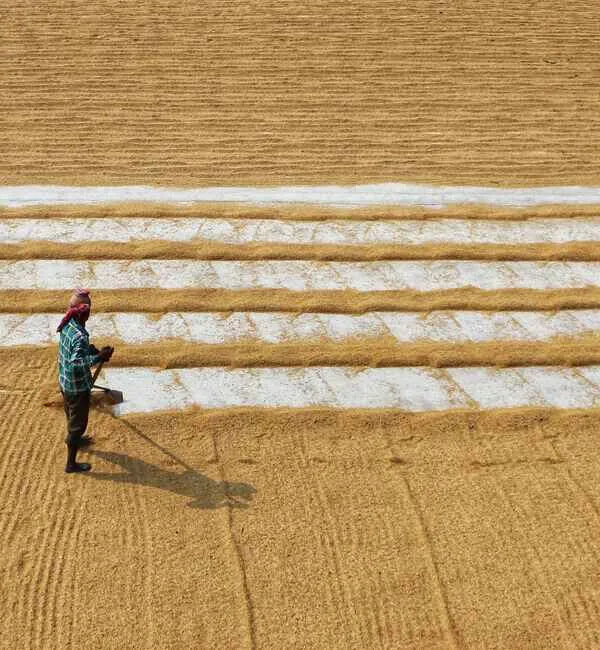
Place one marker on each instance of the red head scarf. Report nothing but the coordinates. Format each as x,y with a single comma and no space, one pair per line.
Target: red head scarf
78,309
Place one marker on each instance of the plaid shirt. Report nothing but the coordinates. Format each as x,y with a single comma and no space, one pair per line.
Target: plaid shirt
75,356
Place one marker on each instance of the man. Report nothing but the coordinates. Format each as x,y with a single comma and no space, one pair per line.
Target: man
75,357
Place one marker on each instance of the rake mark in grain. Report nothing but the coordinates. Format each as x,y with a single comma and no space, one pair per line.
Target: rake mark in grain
346,605
450,629
63,578
452,634
569,474
536,562
318,545
311,92
578,486
9,486
53,562
32,449
140,511
237,550
377,606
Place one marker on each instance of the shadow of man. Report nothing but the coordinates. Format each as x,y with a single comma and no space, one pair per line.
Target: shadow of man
204,491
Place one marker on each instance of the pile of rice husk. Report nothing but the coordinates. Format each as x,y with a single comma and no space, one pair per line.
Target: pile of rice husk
204,250
297,211
377,352
159,301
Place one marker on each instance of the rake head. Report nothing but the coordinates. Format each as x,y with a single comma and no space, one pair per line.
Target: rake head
111,395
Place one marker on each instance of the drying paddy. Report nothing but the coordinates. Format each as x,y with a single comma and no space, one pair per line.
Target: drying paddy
381,454
299,528
361,412
293,93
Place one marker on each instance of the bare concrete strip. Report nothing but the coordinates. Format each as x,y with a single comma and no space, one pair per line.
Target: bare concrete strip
296,275
412,389
236,231
334,195
281,327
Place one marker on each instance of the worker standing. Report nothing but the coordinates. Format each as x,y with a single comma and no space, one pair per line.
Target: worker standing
75,358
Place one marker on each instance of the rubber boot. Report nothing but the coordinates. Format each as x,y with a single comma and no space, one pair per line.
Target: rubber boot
72,465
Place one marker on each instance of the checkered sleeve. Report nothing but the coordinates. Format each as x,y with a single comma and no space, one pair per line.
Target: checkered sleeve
80,361
80,357
83,356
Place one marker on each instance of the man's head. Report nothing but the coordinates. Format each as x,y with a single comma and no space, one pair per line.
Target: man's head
80,297
79,308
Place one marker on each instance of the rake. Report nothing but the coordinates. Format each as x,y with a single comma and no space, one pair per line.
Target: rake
115,396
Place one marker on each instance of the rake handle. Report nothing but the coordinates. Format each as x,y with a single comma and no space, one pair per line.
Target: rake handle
97,372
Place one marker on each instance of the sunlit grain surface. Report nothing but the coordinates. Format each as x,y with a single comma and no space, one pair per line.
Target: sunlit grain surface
279,91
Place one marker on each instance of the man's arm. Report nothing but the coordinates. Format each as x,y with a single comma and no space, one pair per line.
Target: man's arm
85,355
81,359
103,355
94,355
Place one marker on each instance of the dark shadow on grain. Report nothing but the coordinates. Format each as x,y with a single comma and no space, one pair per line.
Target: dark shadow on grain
204,491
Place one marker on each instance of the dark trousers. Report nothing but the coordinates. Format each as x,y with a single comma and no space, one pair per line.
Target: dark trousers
77,408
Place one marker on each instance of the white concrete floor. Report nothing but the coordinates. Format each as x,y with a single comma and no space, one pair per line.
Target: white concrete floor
296,275
356,195
213,328
411,389
245,231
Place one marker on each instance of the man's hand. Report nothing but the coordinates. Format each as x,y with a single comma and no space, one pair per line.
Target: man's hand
106,353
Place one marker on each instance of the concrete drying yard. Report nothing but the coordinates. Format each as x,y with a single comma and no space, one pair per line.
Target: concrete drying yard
309,478
348,254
